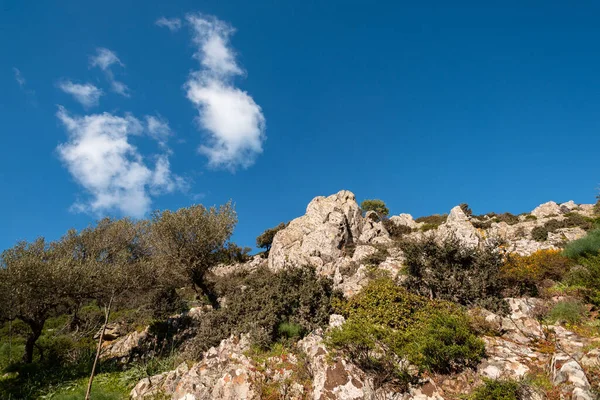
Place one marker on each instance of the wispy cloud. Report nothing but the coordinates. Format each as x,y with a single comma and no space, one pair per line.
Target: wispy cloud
105,59
101,159
19,77
234,123
173,24
158,129
87,94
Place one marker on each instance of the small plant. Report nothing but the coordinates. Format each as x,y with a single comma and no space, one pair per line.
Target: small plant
500,390
396,231
265,239
290,330
507,217
568,311
530,217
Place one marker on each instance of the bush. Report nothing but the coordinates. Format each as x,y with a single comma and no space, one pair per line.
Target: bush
507,217
500,390
265,239
568,311
375,205
449,271
539,234
587,245
526,273
376,258
433,220
268,305
386,324
587,276
466,209
396,231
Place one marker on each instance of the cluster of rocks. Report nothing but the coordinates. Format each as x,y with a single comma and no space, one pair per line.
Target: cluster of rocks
336,238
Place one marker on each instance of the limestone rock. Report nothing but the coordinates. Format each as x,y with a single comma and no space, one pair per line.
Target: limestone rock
458,225
568,206
404,219
546,210
320,235
373,230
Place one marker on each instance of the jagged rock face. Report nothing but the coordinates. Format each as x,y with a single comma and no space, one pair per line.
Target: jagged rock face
546,210
373,230
404,219
458,226
319,236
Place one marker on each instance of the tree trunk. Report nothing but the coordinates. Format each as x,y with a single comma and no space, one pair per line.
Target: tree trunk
36,332
99,348
210,295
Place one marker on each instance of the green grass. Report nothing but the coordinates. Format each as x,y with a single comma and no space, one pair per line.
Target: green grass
569,311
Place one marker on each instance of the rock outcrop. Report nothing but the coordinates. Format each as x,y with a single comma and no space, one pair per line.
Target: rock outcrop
318,237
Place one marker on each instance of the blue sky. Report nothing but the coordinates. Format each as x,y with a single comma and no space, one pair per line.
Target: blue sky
118,108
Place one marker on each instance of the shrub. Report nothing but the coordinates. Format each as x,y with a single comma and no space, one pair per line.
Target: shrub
265,239
449,271
268,305
466,209
530,217
507,217
539,234
568,311
587,245
526,273
500,390
482,224
587,276
435,220
396,231
375,205
386,324
376,258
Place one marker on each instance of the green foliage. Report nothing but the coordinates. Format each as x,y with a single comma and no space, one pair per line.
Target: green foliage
187,242
375,205
587,276
271,306
386,323
500,390
290,330
166,302
265,239
449,271
432,221
539,233
376,258
507,217
567,311
446,344
396,231
587,245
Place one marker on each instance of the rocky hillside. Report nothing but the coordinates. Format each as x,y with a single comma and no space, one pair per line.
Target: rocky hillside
525,352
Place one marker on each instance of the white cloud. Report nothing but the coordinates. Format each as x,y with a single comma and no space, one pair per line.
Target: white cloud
100,157
104,59
19,77
173,24
87,94
158,129
234,123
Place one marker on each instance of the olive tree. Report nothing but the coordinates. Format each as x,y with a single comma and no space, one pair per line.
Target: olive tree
33,285
265,239
375,205
187,242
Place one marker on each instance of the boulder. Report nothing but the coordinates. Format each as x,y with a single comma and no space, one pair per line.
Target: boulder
318,237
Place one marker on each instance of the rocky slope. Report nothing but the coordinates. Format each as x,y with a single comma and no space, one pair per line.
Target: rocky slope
335,238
